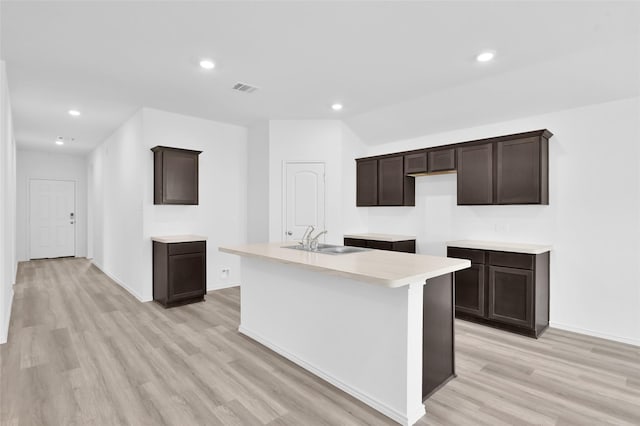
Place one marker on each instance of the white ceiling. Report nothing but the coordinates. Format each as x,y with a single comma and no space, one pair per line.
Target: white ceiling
400,68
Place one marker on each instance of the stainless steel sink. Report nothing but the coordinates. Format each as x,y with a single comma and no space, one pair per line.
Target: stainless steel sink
329,249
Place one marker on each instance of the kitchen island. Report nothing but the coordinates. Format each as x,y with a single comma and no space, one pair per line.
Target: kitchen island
365,322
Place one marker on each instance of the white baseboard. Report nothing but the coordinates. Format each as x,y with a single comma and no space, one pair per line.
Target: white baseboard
121,283
356,393
587,332
4,332
221,286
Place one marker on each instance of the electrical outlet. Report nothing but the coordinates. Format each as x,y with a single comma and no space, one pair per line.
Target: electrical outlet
224,273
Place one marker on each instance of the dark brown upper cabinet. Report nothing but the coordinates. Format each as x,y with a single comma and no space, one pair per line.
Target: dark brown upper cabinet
391,181
511,169
475,174
175,175
367,183
441,160
521,171
415,163
383,182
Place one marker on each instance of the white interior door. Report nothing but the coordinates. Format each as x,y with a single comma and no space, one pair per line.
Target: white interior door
303,199
51,218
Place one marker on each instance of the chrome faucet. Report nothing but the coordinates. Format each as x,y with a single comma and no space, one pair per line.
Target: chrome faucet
305,241
313,242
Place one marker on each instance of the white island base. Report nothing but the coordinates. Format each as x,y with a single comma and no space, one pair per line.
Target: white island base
365,339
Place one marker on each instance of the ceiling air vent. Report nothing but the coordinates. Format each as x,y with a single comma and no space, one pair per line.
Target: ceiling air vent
243,87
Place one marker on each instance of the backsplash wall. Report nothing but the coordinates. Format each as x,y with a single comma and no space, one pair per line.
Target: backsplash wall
594,201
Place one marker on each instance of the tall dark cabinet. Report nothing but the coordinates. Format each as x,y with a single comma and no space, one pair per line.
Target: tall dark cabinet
175,175
521,171
179,270
475,174
502,289
367,183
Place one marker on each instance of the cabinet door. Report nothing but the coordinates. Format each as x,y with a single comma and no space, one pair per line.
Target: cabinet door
367,183
518,171
443,160
470,290
511,296
180,177
391,181
415,163
187,276
475,174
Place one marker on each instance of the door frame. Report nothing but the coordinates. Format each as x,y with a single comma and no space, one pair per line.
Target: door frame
283,224
75,212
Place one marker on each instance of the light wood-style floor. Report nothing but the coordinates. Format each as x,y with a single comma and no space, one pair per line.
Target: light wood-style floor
82,351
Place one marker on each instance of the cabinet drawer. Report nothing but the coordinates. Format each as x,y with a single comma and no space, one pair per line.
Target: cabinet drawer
511,260
355,242
191,247
475,256
380,245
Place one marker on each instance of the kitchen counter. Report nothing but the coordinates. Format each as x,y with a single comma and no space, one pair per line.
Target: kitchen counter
170,239
500,246
385,268
376,324
381,237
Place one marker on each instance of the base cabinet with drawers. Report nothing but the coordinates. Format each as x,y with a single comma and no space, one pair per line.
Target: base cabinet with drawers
179,272
506,290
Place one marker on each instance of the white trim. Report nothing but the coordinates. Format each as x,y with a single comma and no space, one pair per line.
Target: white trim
222,286
4,333
75,213
587,332
356,393
121,283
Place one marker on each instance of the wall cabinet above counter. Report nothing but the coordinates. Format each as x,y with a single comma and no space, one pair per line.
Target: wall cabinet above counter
511,169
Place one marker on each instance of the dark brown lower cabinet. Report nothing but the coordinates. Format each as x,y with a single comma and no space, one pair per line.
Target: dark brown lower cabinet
438,362
503,289
179,272
511,296
407,246
470,290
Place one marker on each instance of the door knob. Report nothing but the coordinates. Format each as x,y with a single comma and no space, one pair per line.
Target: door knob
289,233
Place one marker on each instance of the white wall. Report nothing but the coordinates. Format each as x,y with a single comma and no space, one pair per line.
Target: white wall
310,141
116,173
45,165
258,183
592,220
8,264
221,215
123,216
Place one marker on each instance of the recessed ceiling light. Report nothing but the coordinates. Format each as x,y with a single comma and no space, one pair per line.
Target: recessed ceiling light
336,107
485,56
207,64
59,142
74,112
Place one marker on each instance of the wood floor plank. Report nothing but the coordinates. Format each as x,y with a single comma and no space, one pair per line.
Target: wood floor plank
83,351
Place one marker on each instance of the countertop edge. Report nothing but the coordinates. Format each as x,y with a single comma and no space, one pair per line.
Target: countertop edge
463,264
501,246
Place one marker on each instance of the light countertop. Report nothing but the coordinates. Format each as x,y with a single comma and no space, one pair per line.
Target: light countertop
386,268
178,239
499,246
381,237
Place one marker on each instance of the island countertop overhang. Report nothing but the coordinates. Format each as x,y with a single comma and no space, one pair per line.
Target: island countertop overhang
384,268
